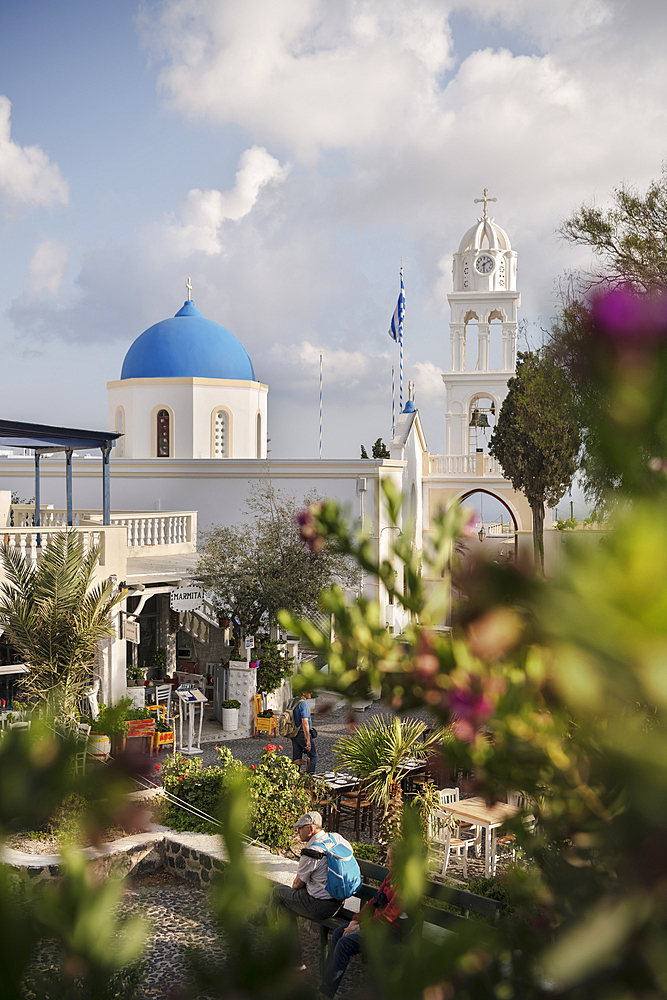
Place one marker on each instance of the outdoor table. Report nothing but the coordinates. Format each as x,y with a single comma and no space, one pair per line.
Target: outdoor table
338,783
410,768
489,818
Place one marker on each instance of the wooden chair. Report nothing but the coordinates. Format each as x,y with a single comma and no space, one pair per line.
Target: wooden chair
140,728
441,838
506,844
160,739
355,807
269,726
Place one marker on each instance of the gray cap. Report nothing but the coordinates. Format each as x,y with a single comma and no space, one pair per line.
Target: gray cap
314,818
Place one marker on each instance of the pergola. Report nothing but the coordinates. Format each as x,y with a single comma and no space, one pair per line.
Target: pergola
44,440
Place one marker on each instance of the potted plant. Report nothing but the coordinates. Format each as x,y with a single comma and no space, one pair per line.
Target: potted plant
230,715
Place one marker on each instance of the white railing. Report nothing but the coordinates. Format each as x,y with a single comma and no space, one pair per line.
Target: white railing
24,540
464,465
144,528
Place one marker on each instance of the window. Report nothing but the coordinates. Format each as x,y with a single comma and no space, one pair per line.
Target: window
163,434
259,435
220,435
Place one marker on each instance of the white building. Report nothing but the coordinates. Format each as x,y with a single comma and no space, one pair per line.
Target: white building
194,420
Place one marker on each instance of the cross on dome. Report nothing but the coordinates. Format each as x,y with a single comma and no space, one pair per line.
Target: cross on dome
410,389
486,201
188,285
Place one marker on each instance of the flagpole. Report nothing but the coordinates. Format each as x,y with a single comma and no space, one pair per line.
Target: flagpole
400,380
393,404
320,404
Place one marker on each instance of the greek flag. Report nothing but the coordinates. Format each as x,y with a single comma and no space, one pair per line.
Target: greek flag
396,328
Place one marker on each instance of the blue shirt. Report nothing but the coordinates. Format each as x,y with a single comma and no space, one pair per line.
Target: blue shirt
301,712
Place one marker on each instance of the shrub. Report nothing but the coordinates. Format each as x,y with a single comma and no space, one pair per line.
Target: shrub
368,852
277,797
191,783
274,666
230,703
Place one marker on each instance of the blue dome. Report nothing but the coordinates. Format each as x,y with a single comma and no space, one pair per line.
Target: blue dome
409,407
187,346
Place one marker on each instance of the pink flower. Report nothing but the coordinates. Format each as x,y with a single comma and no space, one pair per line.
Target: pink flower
308,530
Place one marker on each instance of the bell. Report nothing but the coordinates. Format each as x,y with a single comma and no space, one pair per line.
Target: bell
474,420
493,409
483,420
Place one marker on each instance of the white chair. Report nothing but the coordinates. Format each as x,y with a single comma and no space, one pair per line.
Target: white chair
516,799
507,842
82,737
449,795
19,725
163,697
440,837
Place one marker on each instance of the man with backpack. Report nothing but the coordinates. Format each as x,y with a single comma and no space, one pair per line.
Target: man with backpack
303,741
310,894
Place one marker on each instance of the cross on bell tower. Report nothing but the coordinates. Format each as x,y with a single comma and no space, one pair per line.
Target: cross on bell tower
485,198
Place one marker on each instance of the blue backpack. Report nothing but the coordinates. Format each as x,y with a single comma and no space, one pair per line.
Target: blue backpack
344,876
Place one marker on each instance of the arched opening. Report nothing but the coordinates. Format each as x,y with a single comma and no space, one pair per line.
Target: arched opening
220,434
471,342
163,433
120,429
258,443
496,341
496,527
482,414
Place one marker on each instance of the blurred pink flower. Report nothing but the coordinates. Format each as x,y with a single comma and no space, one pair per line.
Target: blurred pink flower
310,536
629,318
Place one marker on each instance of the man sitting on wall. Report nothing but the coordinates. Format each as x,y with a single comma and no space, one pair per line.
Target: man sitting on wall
308,896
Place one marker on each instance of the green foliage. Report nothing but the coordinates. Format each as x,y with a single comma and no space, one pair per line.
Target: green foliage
230,703
367,852
274,666
55,617
257,568
160,658
536,438
364,453
566,524
276,796
195,785
629,238
380,449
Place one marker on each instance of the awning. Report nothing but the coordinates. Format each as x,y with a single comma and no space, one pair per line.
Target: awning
7,669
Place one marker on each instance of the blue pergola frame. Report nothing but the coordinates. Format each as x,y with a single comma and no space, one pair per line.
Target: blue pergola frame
45,439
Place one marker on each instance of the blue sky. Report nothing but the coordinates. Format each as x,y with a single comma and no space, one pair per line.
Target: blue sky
287,154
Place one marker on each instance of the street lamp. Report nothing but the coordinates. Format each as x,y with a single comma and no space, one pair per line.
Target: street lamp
481,534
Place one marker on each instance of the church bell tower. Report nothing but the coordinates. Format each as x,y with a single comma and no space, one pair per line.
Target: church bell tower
484,302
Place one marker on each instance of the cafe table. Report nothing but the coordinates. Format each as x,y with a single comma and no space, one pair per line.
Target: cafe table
338,782
489,818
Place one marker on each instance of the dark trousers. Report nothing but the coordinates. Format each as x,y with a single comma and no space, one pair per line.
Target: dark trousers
341,951
299,903
299,750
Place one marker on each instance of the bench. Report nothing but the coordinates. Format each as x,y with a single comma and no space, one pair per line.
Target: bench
434,917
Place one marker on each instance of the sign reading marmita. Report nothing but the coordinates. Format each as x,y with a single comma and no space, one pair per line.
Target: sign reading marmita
186,599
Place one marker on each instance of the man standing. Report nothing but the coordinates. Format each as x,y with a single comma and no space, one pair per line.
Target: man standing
308,896
383,908
304,741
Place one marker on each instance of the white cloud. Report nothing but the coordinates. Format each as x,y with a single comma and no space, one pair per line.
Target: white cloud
341,368
201,215
309,73
27,177
429,386
47,267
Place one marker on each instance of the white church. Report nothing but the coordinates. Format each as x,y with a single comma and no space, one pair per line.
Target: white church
193,420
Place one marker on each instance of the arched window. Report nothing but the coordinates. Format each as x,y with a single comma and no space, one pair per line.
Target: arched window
221,435
259,435
120,429
163,434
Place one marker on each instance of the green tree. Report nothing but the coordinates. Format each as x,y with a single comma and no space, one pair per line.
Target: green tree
55,618
629,239
380,449
364,453
536,438
256,568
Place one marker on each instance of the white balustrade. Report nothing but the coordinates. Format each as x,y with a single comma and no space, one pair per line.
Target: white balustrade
464,465
144,529
24,540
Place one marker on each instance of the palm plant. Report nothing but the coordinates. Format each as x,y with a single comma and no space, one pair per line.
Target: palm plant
376,752
55,618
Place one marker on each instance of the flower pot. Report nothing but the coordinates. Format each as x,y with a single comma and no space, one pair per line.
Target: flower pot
99,747
230,719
